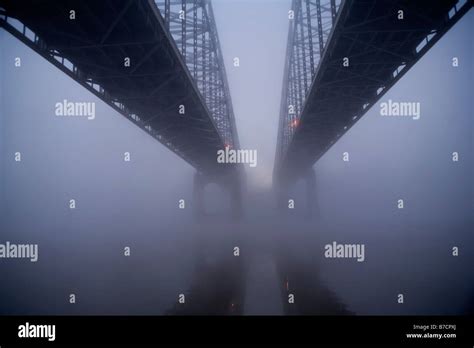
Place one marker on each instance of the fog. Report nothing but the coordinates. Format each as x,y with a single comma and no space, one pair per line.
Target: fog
135,204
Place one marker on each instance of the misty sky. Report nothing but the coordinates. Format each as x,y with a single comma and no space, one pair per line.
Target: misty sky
256,32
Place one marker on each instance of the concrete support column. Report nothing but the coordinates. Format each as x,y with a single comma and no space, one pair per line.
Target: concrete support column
311,202
236,198
281,188
198,195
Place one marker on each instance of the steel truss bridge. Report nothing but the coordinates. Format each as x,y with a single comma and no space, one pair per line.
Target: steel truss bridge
175,65
341,58
176,60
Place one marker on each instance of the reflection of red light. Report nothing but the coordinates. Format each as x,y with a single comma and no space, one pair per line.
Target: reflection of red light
294,123
227,146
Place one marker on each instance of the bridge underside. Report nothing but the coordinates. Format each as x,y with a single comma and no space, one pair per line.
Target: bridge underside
93,48
380,48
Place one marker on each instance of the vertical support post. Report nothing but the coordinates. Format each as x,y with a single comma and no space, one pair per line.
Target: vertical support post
298,76
320,27
195,39
292,100
203,50
281,192
310,38
183,29
167,14
212,69
198,195
295,93
333,10
311,205
236,197
303,50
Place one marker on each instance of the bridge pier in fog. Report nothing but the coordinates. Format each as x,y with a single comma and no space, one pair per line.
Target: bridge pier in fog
198,194
282,195
310,178
283,188
236,197
231,182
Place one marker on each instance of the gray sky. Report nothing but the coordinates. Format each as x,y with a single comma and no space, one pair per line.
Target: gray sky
255,32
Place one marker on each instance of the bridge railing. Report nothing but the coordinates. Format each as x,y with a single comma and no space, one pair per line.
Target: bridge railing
192,25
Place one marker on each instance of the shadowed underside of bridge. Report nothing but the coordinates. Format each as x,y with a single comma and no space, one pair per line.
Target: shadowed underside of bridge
92,49
320,102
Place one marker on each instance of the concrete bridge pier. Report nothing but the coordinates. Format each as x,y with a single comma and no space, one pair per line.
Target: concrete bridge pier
231,182
235,188
311,201
283,188
198,195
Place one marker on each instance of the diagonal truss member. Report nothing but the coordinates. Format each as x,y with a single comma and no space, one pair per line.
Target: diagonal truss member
311,22
192,25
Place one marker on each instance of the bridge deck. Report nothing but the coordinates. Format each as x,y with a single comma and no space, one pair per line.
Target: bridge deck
149,91
380,48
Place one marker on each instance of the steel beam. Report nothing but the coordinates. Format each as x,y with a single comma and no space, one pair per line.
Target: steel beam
381,50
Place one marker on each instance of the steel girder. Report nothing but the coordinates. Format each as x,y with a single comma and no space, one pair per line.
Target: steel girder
192,25
92,50
380,48
309,28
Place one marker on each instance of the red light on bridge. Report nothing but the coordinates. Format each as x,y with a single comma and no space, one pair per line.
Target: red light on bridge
294,123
